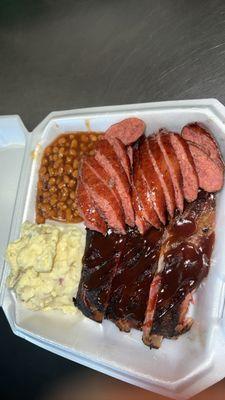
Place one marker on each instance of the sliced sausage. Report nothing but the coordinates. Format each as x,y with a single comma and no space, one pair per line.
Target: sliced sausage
130,155
210,174
104,199
88,211
142,225
128,130
155,190
105,178
122,155
141,187
187,166
197,134
108,159
173,166
162,171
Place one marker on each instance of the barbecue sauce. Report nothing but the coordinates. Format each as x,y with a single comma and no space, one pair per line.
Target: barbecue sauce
130,287
186,261
117,273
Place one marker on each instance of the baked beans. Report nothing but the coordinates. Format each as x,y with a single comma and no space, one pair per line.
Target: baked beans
56,188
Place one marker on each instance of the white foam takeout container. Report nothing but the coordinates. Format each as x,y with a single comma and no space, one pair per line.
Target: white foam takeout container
180,368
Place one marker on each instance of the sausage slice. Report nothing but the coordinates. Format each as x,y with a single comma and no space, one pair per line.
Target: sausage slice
88,211
162,171
187,166
122,155
197,134
103,197
108,159
141,187
210,174
173,166
155,191
128,131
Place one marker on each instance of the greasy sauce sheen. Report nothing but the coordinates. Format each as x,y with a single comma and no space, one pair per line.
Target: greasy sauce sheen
187,261
121,267
130,288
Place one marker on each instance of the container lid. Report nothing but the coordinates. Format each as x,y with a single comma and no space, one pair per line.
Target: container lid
12,146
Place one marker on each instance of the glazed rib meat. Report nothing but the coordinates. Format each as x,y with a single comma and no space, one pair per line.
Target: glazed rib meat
183,263
100,262
130,286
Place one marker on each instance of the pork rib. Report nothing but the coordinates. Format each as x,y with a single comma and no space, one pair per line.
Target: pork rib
183,263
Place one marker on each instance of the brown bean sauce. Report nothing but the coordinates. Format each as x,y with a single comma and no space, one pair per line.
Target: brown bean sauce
57,180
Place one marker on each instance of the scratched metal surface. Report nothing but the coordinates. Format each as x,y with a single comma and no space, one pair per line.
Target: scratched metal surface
61,55
66,54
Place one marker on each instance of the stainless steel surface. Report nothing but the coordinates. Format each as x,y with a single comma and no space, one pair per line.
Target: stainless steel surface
68,54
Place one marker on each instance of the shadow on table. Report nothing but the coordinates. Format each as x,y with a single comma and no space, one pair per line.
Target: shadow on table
100,387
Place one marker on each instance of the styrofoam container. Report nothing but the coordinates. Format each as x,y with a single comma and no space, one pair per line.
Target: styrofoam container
180,368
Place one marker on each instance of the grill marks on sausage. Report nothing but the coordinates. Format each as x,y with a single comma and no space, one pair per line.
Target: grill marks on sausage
164,177
88,211
122,155
102,193
152,177
155,190
187,166
141,187
108,159
173,166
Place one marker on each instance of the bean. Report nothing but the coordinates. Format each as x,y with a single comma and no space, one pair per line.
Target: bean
73,152
51,171
72,183
48,150
66,179
69,202
60,171
56,188
53,200
44,161
61,185
68,159
68,215
51,181
62,140
74,143
93,138
72,195
53,189
43,171
40,219
68,169
57,164
75,164
84,138
64,192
